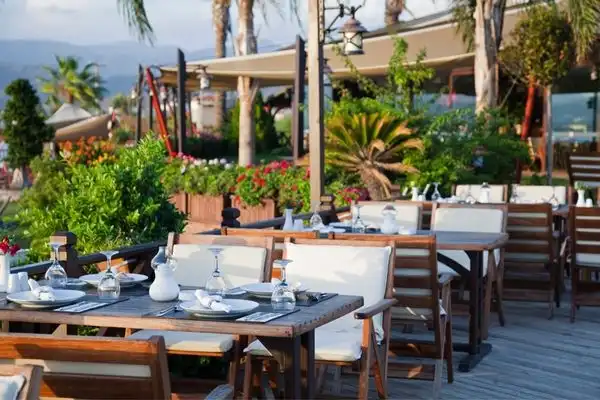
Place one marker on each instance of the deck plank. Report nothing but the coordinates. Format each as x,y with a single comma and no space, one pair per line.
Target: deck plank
532,358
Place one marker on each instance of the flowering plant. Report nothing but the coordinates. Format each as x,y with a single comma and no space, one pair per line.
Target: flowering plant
7,248
88,151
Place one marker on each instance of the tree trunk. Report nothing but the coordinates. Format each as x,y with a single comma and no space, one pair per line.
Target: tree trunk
393,9
526,126
376,191
246,43
489,19
220,15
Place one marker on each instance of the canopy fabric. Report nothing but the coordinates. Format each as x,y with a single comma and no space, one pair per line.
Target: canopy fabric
67,114
94,126
440,41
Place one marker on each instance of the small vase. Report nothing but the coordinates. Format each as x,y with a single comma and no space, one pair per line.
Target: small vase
580,198
4,271
288,225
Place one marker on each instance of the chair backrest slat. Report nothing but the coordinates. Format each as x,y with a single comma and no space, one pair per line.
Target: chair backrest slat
246,259
93,368
584,168
530,230
585,235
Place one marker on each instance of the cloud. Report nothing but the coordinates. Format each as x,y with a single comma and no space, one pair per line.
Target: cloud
186,23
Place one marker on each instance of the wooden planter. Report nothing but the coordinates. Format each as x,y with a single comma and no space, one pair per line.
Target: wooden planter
267,210
206,209
179,200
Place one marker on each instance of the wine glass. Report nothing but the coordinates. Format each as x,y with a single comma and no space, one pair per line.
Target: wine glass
316,222
283,298
469,198
436,193
514,193
109,286
56,274
215,285
358,226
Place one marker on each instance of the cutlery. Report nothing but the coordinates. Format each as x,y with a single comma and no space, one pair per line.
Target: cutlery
163,312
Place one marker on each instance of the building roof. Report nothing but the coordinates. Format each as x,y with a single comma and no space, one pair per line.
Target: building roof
438,37
67,114
94,126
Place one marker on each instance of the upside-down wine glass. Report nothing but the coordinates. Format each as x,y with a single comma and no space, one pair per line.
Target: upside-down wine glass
56,274
436,193
109,286
514,193
316,222
283,297
358,226
215,285
469,198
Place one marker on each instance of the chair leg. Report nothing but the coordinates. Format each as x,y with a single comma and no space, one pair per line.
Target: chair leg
365,372
448,352
500,295
574,284
487,306
252,377
437,380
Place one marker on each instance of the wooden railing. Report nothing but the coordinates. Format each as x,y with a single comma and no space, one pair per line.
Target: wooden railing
137,258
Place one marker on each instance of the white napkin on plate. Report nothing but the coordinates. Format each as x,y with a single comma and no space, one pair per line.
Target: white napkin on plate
44,293
212,302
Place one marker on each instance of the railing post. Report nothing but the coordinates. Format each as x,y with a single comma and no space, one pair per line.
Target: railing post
67,254
230,216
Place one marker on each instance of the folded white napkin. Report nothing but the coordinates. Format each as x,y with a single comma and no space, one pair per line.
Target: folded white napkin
406,231
212,302
187,295
44,293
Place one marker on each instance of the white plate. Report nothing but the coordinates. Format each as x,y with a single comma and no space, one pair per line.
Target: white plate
238,307
63,297
265,289
94,279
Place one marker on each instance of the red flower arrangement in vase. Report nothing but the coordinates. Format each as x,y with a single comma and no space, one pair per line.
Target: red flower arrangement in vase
6,248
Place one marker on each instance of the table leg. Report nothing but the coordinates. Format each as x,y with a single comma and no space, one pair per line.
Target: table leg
286,351
476,349
307,359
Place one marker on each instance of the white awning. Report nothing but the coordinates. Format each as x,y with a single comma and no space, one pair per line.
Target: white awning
67,114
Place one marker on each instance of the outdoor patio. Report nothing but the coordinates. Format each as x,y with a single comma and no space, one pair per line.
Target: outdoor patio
532,358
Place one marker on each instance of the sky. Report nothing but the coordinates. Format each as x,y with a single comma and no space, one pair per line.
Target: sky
183,23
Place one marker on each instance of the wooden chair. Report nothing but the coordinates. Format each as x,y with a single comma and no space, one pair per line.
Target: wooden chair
425,207
489,218
347,267
244,260
91,367
585,257
408,217
498,193
531,268
29,375
541,193
583,168
420,293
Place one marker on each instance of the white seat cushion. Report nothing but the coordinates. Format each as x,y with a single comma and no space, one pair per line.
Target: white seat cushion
496,192
85,368
10,386
462,258
189,341
349,270
330,345
407,215
240,264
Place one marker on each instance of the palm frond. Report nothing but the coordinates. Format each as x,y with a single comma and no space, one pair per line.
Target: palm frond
134,13
584,17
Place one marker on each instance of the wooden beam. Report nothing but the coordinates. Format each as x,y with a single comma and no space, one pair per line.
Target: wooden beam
316,100
298,101
181,75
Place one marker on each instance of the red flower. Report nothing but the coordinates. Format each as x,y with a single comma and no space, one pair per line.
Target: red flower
284,164
4,247
294,188
307,175
267,170
13,249
241,178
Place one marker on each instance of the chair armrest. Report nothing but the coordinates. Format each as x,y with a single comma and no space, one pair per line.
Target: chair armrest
374,309
445,279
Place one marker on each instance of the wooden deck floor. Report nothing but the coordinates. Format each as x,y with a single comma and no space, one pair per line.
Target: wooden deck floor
532,358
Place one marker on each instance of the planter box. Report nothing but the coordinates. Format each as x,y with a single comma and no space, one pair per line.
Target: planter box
248,214
206,209
179,200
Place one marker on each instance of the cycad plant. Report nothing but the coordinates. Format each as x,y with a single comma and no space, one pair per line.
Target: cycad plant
371,145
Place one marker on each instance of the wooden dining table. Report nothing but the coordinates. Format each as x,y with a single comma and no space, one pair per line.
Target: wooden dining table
290,338
474,244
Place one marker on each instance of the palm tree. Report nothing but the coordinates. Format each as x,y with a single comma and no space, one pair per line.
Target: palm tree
220,19
370,145
67,83
393,9
122,103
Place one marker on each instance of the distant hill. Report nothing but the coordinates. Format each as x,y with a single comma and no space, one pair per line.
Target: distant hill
118,61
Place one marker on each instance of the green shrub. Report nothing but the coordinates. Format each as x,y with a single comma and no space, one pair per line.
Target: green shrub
105,205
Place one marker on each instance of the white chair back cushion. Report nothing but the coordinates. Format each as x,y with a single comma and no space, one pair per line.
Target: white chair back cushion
10,386
407,215
239,265
86,368
349,270
537,194
496,192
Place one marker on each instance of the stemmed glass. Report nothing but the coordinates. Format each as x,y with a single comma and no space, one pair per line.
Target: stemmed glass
56,274
469,199
109,286
283,298
316,222
358,226
553,200
215,285
514,193
436,193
